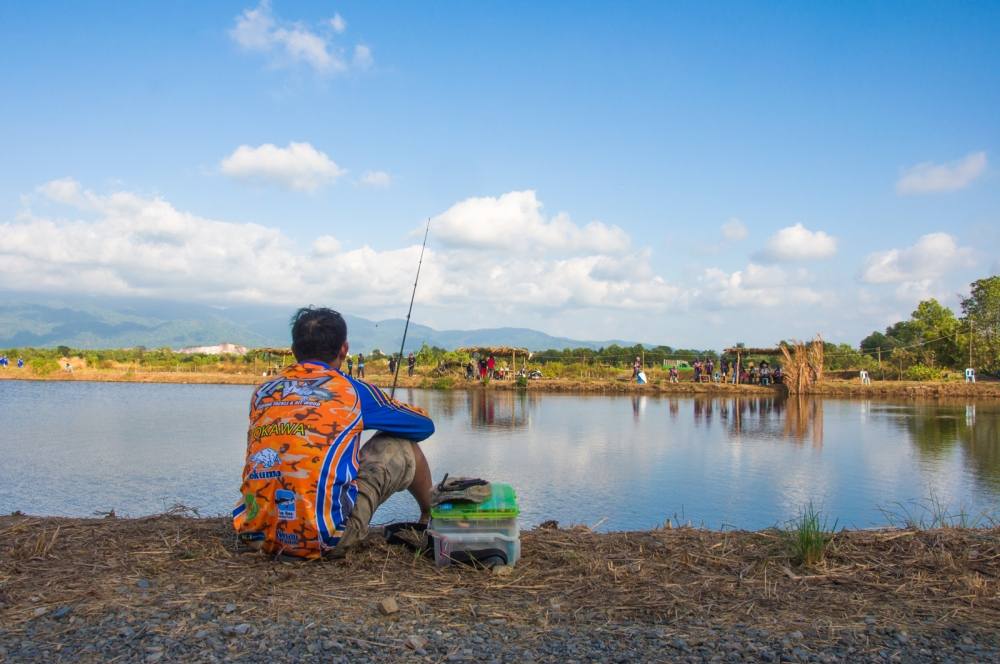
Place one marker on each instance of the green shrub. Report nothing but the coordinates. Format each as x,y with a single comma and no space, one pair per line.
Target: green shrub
44,367
522,382
922,372
443,383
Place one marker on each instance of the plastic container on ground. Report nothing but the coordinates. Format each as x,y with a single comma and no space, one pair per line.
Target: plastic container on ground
486,532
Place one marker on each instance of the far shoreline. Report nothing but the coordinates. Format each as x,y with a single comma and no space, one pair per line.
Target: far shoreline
622,386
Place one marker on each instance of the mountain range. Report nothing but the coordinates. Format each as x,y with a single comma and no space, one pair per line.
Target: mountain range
86,322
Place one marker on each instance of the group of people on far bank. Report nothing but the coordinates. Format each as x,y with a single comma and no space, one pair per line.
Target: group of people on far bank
5,362
485,367
727,371
411,364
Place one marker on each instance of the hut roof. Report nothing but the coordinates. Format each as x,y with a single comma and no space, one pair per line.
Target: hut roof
752,351
495,350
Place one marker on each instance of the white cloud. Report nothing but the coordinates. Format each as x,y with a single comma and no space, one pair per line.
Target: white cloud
299,166
734,230
326,245
514,221
286,43
376,179
916,268
931,178
363,57
126,244
65,190
757,286
797,243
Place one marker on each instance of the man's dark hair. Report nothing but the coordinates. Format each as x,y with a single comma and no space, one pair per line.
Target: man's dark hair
317,334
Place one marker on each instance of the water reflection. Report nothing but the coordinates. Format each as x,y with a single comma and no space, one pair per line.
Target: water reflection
798,419
937,429
635,460
804,420
503,409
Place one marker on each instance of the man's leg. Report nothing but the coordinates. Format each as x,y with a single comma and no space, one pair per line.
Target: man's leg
387,465
420,487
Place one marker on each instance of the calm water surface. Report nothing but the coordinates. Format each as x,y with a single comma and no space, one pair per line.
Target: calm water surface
76,448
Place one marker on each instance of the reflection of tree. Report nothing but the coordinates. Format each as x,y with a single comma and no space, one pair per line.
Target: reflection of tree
796,418
981,439
803,415
936,429
488,408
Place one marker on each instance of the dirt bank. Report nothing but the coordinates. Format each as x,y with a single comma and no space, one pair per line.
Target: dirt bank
175,588
834,388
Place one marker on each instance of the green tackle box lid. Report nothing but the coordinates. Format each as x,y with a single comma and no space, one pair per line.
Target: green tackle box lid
501,505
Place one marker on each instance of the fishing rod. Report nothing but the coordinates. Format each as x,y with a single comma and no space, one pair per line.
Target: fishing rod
395,376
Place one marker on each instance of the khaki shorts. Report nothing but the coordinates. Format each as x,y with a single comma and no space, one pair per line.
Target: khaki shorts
387,465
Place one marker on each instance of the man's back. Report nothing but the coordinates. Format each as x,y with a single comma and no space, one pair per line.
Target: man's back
302,456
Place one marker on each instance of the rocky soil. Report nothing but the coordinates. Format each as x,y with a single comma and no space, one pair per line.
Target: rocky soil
177,589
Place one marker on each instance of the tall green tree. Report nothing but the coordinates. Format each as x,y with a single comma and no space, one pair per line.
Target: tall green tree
982,318
930,337
935,327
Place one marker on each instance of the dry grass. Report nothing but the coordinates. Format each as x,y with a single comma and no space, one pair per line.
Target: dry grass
678,576
803,365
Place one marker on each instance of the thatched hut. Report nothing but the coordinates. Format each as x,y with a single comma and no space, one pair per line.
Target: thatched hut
501,353
742,352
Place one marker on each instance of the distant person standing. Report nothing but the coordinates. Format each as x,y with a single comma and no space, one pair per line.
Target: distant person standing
411,363
392,365
673,374
491,364
350,365
361,365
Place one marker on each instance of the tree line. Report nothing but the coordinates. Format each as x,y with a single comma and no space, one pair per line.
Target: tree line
935,338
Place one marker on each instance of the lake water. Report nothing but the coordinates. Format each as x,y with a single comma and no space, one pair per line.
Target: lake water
623,462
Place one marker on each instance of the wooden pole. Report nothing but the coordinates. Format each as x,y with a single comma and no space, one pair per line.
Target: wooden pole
970,343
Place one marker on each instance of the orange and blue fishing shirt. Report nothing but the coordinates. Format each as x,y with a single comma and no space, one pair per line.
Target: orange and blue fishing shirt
302,456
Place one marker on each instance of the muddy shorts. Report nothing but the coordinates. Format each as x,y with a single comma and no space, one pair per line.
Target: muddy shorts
387,465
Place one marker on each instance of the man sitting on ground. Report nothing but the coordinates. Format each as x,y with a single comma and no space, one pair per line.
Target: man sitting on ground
309,486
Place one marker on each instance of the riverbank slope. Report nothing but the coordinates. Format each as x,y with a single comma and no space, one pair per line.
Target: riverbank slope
172,588
985,389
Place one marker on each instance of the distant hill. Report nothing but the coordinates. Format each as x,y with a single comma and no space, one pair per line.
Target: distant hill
101,322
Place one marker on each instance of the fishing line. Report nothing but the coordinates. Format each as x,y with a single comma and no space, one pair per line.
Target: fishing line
395,375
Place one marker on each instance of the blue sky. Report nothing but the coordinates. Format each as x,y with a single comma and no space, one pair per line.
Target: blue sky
581,161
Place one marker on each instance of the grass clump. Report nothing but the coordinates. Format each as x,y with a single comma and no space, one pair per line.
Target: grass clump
808,536
932,513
